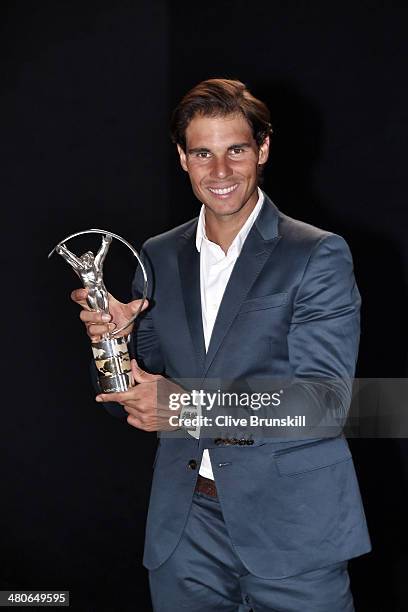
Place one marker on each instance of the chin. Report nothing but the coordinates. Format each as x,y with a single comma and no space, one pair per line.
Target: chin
220,208
226,207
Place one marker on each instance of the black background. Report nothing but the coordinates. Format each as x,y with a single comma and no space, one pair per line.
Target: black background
86,95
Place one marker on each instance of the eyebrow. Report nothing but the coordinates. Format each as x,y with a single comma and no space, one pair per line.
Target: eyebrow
238,145
199,150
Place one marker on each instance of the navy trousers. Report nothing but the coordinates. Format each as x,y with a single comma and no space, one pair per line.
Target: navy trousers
204,574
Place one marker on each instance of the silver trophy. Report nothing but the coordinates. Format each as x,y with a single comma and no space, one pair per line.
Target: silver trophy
111,353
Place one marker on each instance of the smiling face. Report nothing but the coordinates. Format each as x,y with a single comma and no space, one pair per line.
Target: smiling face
222,159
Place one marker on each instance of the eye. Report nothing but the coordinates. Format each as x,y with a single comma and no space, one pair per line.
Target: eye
236,151
202,154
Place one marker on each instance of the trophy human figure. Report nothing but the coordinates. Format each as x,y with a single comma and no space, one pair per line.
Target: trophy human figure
89,268
109,348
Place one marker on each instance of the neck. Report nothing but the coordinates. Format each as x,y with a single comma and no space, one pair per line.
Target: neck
222,229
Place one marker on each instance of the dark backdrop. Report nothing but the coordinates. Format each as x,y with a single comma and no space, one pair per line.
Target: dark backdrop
86,94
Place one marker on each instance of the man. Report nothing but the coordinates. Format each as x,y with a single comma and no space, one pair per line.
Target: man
244,293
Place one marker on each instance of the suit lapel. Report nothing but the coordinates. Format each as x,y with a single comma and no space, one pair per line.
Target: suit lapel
261,241
248,266
189,269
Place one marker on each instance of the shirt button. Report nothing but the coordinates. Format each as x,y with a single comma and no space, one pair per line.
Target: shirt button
192,464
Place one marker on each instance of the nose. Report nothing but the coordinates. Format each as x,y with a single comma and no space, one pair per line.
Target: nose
220,168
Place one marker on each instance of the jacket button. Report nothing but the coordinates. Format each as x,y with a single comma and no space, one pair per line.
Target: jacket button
192,464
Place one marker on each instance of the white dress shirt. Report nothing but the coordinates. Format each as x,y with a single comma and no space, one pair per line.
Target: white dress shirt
215,271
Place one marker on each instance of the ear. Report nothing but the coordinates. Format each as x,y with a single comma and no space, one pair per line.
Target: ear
183,158
263,152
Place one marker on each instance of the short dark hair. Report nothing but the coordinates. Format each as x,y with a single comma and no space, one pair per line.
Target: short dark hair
219,98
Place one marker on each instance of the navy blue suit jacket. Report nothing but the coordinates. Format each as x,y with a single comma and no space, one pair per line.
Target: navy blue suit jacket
290,310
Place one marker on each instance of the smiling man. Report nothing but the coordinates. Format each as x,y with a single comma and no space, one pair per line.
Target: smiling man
243,293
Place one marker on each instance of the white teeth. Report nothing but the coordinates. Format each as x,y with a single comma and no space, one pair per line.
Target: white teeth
223,191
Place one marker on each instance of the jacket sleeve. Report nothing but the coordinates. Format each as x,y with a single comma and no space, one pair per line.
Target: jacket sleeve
324,337
145,345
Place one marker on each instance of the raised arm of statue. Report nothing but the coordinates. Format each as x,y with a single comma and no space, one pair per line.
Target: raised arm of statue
69,257
101,254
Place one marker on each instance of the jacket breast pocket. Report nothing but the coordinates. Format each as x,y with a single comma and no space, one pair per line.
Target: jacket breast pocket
313,456
264,302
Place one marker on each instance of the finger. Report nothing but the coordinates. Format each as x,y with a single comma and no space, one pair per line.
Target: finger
108,397
91,316
135,367
79,297
140,375
96,331
135,305
122,397
134,421
134,411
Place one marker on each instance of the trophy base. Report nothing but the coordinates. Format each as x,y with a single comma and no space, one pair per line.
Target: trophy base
112,362
113,384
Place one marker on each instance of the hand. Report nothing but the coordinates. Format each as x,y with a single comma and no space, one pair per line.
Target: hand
142,402
98,323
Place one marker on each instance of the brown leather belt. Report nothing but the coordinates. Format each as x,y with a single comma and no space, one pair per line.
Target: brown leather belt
206,486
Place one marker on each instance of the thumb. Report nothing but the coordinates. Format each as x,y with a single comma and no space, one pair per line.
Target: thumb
139,375
135,305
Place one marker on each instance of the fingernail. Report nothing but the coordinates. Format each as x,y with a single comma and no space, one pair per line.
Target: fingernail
106,317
